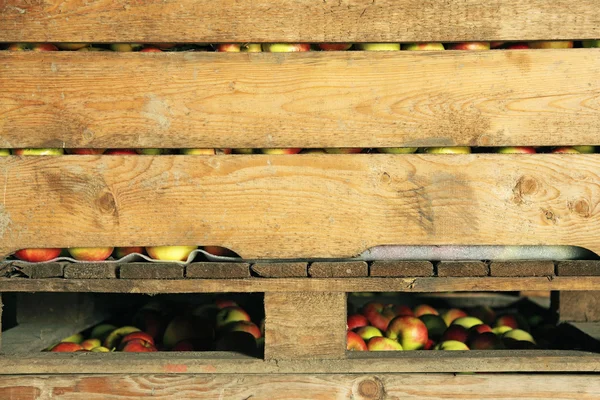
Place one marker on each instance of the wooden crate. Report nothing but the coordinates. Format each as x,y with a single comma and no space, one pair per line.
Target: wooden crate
305,206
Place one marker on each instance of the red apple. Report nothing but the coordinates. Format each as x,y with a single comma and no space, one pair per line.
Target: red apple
516,150
219,251
151,50
121,152
399,310
422,46
32,47
243,326
137,335
429,345
204,152
469,46
71,46
345,150
138,346
334,46
285,47
485,341
121,252
38,152
424,309
37,255
356,321
66,347
455,332
565,150
86,151
374,313
410,332
377,46
496,45
281,151
484,313
228,315
228,48
379,343
509,320
170,253
90,253
355,342
561,44
517,46
222,303
368,332
481,328
450,315
91,344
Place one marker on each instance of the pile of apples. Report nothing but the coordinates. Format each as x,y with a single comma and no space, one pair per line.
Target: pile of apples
389,327
92,254
221,325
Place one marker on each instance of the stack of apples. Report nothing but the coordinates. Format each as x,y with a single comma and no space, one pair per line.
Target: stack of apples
221,325
388,327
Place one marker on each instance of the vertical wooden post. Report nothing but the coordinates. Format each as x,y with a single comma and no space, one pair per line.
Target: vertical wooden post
305,325
582,306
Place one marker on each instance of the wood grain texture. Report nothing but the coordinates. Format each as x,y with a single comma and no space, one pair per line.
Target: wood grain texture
281,285
319,99
522,268
401,269
90,271
299,386
338,269
297,21
462,268
298,206
578,268
357,362
300,325
141,270
217,270
281,269
579,306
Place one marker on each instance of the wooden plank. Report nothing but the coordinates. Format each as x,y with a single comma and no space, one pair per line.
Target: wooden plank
41,270
339,269
300,325
148,270
318,99
217,270
488,199
281,269
579,306
285,387
90,271
363,362
303,20
462,268
578,268
522,268
400,268
282,285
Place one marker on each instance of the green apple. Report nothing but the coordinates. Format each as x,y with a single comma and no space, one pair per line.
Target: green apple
590,43
448,150
4,152
378,46
101,331
38,152
501,330
151,152
397,150
170,253
423,46
368,332
585,149
519,334
126,47
467,322
435,325
452,345
379,343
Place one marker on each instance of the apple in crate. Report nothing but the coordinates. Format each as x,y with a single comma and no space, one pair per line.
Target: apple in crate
590,43
251,48
469,46
32,47
467,322
424,309
86,151
455,332
281,151
243,326
137,335
379,343
565,150
450,315
345,150
183,327
518,334
397,150
516,150
223,303
90,344
138,346
121,252
228,48
285,47
125,47
114,338
517,46
560,44
228,315
378,46
356,321
170,253
585,149
368,332
375,314
90,253
398,310
452,345
38,152
151,49
71,46
355,342
448,150
484,313
334,46
102,331
435,325
243,151
150,152
93,49
4,152
485,341
410,332
204,152
219,251
423,46
121,152
100,349
37,255
66,347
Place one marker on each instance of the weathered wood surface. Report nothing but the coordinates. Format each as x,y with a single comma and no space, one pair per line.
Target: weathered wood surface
578,268
296,21
281,269
522,268
579,306
462,268
301,386
299,206
300,325
357,362
281,285
401,268
348,99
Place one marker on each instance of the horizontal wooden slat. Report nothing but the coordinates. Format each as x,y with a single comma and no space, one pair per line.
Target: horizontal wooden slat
351,99
363,362
254,285
299,206
293,21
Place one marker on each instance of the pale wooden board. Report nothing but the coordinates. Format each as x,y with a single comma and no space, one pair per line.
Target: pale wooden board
293,21
301,386
357,362
299,325
348,99
281,285
299,206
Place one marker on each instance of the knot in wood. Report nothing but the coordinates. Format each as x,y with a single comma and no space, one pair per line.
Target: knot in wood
526,186
106,203
368,389
385,178
581,207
